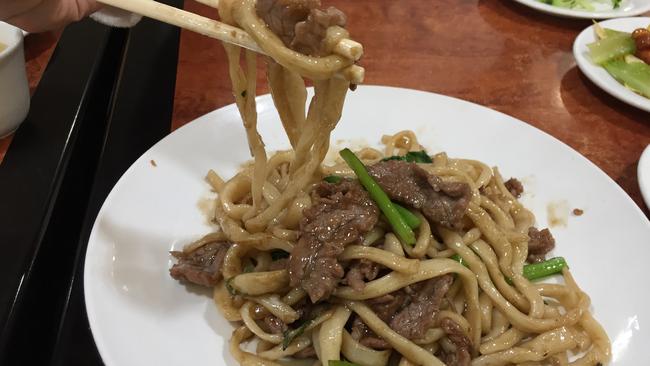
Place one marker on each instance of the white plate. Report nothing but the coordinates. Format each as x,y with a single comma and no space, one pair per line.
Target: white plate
643,172
599,75
141,316
628,8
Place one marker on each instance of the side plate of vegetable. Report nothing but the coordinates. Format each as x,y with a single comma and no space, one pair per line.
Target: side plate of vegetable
605,51
589,9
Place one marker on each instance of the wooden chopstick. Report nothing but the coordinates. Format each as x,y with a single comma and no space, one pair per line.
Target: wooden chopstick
227,33
212,28
186,20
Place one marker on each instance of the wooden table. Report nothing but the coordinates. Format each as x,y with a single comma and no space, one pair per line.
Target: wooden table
495,53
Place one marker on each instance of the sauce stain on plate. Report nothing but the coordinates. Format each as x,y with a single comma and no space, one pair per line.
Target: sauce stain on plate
558,213
207,205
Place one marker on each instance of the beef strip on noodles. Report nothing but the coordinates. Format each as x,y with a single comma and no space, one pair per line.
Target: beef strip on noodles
410,312
443,203
359,272
463,354
201,266
341,213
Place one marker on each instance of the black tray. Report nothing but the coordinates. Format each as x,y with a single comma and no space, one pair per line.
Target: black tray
104,99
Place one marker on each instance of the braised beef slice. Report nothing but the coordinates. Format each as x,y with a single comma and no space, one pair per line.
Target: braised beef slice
416,318
441,202
202,266
273,325
388,305
409,311
340,214
515,187
300,24
367,337
462,356
540,243
360,271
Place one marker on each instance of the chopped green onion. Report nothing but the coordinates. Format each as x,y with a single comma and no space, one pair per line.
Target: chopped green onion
411,220
533,271
231,290
332,179
412,157
547,268
458,259
341,363
399,225
292,334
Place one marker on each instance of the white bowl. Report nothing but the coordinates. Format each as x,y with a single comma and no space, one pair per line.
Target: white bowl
597,74
643,172
14,89
628,8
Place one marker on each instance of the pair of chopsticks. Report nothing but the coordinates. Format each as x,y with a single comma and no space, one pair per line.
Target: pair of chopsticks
209,27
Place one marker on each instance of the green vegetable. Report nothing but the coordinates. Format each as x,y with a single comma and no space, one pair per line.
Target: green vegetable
544,269
579,4
291,334
279,254
635,76
605,32
399,225
332,179
341,363
412,157
231,290
411,220
570,4
533,271
611,47
458,259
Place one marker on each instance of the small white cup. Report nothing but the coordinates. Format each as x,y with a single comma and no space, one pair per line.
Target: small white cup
14,89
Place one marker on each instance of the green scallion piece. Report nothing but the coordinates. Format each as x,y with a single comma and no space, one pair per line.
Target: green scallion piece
547,268
395,219
411,220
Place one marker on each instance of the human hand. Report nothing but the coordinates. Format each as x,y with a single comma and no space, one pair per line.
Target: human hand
42,15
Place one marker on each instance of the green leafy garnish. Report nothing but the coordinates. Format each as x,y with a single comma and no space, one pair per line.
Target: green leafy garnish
291,334
412,157
458,259
231,290
333,179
